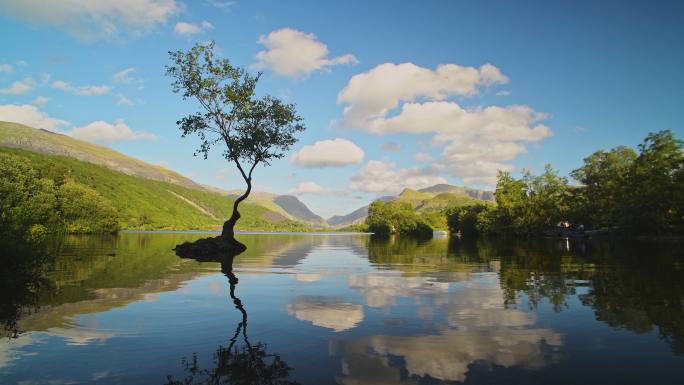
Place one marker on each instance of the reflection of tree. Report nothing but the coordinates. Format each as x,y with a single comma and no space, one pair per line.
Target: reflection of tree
246,364
638,287
22,277
641,294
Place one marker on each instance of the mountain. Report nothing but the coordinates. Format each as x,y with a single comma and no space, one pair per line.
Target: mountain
485,195
355,217
145,196
46,142
429,199
297,209
287,205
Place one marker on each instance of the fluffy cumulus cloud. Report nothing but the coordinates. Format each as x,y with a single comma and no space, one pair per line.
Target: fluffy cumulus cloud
329,153
20,86
40,100
184,28
296,54
104,132
81,90
91,20
30,116
5,68
383,177
475,142
97,131
309,188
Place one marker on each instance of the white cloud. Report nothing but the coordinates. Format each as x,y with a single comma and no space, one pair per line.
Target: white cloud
405,98
221,4
30,116
372,94
88,90
423,157
309,188
382,177
124,76
329,153
92,90
503,93
296,54
20,86
97,131
91,20
40,100
122,100
184,28
101,131
5,68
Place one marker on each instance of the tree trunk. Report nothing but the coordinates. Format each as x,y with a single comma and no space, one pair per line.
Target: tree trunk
228,232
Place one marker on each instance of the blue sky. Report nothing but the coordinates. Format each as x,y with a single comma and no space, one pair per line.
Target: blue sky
520,84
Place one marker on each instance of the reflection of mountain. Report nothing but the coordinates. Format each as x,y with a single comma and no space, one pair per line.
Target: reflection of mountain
331,313
97,273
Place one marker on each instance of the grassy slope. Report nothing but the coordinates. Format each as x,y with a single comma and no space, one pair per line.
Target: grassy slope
21,136
150,204
425,201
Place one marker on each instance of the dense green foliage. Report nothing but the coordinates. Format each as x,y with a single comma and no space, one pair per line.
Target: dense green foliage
140,203
386,218
634,192
34,204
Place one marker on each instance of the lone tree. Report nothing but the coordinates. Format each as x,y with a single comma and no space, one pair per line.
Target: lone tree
251,130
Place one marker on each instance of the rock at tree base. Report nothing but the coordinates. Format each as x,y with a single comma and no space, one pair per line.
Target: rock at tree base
217,249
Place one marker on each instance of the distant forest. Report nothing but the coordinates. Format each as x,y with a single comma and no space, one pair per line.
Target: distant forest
622,190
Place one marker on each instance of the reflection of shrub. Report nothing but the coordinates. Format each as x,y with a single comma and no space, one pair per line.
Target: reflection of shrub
84,210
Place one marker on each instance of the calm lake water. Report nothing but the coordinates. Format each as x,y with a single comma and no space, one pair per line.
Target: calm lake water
348,309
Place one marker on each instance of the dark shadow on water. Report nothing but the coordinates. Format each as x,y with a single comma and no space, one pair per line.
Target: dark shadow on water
215,249
241,362
22,278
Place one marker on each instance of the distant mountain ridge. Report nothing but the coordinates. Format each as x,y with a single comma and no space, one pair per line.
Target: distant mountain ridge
431,198
299,210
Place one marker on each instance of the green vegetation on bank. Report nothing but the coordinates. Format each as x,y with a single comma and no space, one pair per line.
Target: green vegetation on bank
622,189
58,191
386,218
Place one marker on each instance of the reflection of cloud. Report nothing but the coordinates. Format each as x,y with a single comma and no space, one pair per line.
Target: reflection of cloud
80,336
381,290
308,277
446,356
331,313
480,330
10,349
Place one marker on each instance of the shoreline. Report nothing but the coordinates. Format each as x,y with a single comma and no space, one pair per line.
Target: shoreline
237,232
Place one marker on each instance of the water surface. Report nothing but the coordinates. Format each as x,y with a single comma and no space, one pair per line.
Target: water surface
349,309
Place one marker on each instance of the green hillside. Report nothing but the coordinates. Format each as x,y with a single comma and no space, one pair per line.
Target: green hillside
151,204
17,135
431,201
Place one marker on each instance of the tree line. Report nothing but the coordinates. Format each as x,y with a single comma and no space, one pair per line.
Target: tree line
632,191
